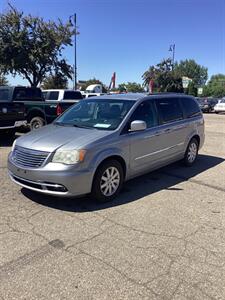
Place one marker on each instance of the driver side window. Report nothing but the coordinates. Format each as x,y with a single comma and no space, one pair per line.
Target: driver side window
146,112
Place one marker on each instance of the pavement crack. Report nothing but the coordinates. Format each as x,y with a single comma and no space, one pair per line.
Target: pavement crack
83,241
118,271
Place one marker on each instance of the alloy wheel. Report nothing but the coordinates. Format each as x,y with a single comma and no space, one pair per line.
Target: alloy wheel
110,181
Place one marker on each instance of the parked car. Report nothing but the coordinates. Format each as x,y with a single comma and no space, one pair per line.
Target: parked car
101,142
12,114
38,112
61,95
207,104
220,106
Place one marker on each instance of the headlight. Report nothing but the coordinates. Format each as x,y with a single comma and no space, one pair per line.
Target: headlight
13,145
68,157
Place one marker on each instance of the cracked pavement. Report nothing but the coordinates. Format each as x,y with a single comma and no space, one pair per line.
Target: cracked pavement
162,238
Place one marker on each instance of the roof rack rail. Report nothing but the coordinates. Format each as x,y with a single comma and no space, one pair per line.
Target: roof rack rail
166,93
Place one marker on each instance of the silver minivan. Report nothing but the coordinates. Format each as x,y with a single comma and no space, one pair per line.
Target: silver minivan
101,142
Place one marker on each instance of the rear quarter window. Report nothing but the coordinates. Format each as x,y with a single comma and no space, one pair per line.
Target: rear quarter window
191,107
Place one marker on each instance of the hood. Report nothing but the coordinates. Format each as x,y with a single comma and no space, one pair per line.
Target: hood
51,137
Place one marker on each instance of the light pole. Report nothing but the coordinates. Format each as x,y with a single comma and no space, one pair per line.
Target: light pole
74,16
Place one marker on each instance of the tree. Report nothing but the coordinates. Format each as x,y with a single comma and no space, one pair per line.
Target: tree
215,86
32,47
93,81
57,81
131,87
3,80
164,77
189,68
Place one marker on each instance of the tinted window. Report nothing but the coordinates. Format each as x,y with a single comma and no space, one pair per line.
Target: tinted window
72,95
53,95
4,94
191,108
169,109
23,94
145,112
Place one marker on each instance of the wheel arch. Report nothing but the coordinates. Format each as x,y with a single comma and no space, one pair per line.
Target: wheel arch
116,157
197,137
35,113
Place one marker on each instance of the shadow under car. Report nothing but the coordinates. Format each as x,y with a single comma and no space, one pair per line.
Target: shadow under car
164,178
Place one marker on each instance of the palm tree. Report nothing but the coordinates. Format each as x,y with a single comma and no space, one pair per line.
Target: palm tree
165,79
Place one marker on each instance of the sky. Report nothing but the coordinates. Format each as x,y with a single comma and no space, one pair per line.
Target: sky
128,36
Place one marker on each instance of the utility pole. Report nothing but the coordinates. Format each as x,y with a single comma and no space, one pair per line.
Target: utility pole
74,23
75,51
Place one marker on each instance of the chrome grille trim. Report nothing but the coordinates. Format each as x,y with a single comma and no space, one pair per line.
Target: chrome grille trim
29,158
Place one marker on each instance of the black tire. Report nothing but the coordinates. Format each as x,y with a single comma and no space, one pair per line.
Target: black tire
189,157
36,122
97,192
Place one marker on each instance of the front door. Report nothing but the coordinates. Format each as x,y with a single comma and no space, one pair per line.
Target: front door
144,145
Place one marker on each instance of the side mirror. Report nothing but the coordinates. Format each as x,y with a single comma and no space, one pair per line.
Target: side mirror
137,126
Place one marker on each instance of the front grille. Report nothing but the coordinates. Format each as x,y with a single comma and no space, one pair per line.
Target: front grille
29,158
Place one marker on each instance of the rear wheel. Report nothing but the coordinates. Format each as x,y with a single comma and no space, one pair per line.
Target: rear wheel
108,181
37,122
191,153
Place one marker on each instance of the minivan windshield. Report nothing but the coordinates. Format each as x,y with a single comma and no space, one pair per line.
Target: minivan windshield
103,114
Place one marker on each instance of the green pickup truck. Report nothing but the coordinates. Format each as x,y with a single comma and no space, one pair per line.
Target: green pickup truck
38,112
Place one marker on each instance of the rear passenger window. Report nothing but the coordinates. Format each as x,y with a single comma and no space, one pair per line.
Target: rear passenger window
72,95
169,109
4,94
191,107
53,95
27,94
145,112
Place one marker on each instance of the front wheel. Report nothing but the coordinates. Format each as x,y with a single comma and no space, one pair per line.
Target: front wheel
37,122
191,153
108,181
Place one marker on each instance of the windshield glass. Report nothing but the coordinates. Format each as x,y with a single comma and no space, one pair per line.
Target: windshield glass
104,114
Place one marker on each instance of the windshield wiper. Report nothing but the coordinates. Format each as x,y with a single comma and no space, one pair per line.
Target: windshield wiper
82,126
62,124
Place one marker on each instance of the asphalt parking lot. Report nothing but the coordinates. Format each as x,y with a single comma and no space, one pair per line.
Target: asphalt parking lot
163,238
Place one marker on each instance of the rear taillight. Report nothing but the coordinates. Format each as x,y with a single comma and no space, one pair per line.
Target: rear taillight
58,110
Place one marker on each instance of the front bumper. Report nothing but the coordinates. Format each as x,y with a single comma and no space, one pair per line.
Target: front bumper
219,109
53,179
16,125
